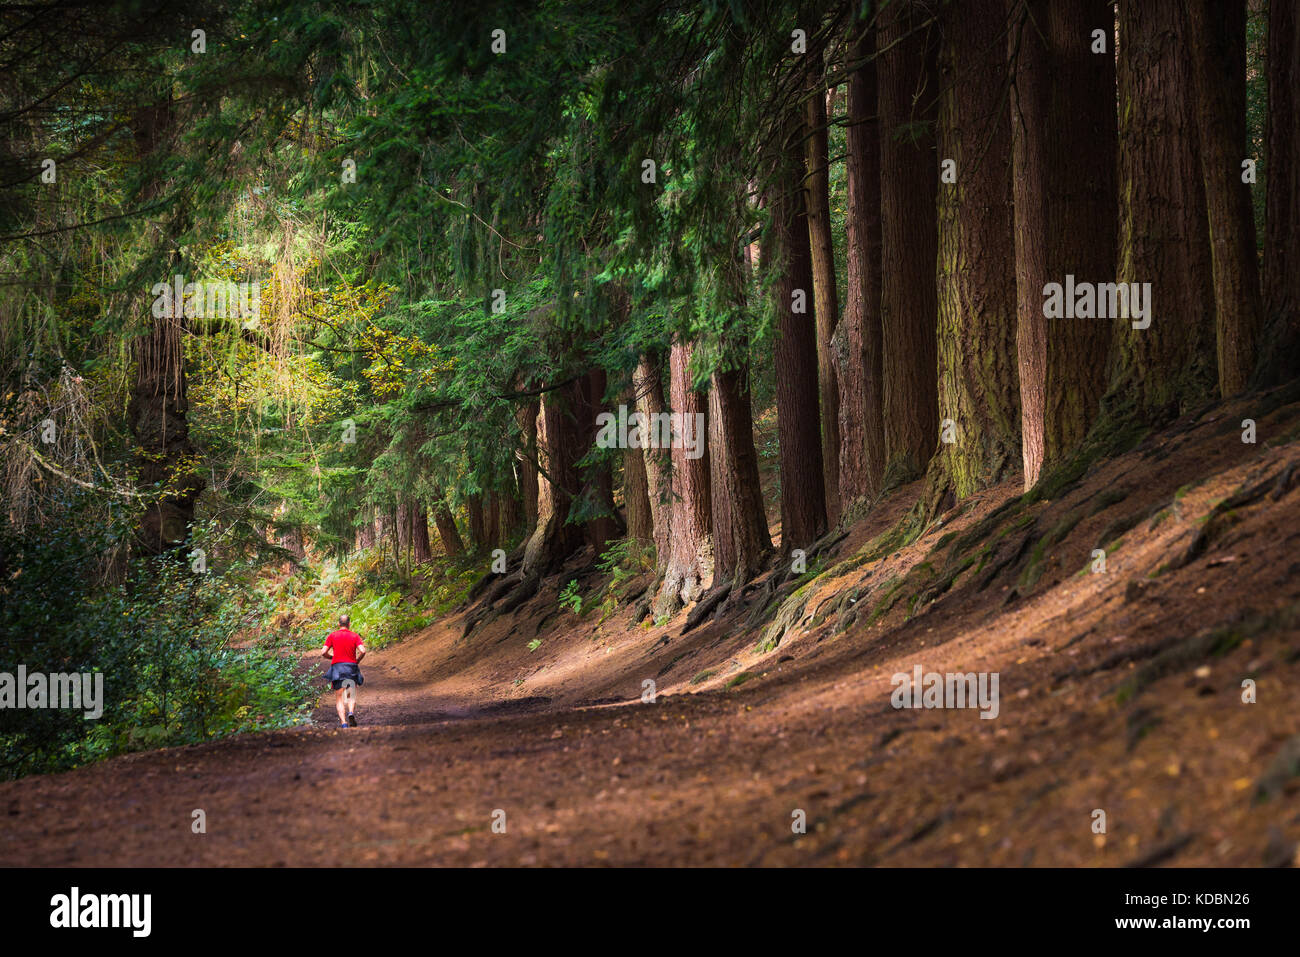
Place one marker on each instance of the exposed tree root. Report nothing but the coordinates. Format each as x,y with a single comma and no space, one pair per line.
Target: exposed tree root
705,605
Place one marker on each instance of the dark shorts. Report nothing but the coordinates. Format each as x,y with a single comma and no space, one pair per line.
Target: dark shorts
344,671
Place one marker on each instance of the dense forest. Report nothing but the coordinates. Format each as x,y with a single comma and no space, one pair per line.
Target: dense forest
403,308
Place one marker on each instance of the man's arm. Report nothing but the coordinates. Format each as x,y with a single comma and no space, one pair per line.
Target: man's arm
361,652
327,651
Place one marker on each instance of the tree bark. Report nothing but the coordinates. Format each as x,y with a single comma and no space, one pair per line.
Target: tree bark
908,92
636,490
526,417
554,538
603,524
689,571
725,555
477,522
803,489
825,293
447,532
510,514
857,340
1216,42
978,388
649,389
740,537
1281,360
492,520
403,524
420,534
1164,238
1064,139
636,499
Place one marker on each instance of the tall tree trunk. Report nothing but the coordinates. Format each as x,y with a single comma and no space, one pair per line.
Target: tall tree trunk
492,520
725,556
740,534
477,522
1281,360
1031,105
648,385
908,92
636,491
403,526
740,537
689,571
447,532
857,340
1164,237
526,417
1216,42
636,499
1064,133
510,514
420,534
978,389
825,293
559,445
604,525
803,488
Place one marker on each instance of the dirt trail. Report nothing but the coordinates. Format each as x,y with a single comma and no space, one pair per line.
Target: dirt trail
1119,691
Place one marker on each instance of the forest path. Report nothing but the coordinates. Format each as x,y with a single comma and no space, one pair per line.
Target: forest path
457,728
712,778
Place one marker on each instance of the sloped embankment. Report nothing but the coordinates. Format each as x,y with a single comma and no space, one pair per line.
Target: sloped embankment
1121,678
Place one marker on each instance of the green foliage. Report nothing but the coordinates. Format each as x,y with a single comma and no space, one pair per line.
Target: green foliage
626,558
571,598
175,649
373,590
623,560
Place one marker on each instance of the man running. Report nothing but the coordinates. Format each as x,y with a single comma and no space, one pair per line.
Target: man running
344,675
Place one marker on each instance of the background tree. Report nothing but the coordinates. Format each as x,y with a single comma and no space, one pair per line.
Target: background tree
908,96
858,336
1216,43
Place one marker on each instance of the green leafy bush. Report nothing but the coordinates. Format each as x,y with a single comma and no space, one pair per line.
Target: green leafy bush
184,656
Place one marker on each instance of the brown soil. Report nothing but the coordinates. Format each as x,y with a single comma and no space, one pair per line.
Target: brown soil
1120,691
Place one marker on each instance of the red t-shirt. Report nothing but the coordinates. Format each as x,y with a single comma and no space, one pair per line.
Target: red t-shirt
344,643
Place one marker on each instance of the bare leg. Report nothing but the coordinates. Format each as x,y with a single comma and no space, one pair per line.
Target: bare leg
339,705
